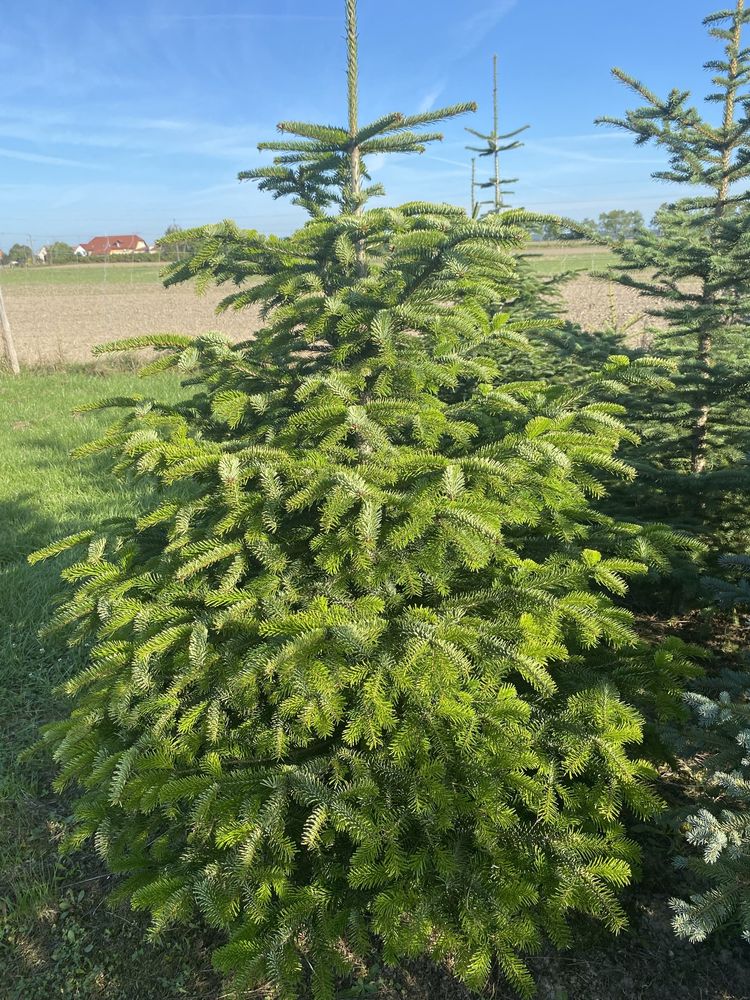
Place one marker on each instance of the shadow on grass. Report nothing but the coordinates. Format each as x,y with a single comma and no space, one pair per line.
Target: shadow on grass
24,528
58,935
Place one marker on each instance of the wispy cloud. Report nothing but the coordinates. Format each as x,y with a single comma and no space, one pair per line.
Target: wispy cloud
376,162
160,124
602,135
485,19
479,24
247,17
56,161
464,164
428,101
588,136
583,157
138,136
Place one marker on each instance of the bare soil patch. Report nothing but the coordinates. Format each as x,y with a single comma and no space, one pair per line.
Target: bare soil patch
60,324
597,304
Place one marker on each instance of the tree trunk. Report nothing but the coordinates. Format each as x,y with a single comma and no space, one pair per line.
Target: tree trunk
702,410
355,159
495,126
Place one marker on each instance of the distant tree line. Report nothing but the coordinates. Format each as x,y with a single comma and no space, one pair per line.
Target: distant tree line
618,224
19,253
169,248
57,253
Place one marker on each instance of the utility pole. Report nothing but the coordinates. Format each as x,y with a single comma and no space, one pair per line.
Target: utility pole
10,347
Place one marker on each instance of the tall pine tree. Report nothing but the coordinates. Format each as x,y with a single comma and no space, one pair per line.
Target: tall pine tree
695,267
362,670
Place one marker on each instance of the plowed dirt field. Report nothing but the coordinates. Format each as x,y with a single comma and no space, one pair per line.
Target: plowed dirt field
59,314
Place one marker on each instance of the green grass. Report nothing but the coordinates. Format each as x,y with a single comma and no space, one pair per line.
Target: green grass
574,260
96,275
80,275
58,937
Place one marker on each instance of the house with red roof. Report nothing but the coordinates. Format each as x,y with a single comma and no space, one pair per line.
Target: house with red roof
109,246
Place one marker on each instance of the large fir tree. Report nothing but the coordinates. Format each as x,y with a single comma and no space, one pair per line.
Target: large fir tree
694,265
362,670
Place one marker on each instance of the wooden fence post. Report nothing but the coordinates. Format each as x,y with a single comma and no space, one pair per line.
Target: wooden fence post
10,347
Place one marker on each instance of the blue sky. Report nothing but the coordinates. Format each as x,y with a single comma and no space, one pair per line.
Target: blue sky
125,117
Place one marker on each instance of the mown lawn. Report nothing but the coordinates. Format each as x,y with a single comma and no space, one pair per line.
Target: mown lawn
81,275
58,936
547,259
